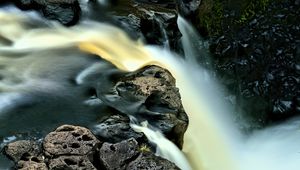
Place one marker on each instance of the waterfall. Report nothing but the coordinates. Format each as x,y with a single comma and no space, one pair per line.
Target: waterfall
212,141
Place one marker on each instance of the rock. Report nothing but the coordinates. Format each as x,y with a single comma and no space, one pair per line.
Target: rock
126,154
32,164
149,161
116,128
155,21
71,162
66,12
69,140
148,94
117,156
22,150
188,7
256,70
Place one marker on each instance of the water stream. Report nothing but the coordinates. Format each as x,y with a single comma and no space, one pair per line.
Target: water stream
57,66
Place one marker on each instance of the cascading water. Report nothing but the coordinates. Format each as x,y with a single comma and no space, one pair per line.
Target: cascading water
212,142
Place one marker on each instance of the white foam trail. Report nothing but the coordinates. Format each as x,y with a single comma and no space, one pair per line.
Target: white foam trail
165,148
7,100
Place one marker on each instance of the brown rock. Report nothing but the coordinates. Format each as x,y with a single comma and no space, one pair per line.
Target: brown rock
71,140
33,164
148,94
22,149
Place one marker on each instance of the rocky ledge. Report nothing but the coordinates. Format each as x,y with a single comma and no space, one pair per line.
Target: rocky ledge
75,147
147,94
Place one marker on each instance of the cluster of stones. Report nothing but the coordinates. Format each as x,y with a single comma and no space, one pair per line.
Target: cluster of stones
75,147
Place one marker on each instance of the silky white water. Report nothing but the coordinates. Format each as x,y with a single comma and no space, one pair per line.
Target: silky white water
212,141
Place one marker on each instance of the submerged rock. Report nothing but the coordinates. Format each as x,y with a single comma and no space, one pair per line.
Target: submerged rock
116,128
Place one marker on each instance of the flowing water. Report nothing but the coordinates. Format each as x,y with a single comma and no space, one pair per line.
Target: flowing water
46,69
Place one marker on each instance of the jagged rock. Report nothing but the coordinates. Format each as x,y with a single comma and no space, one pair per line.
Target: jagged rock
116,128
66,12
69,140
22,150
71,162
117,156
148,94
148,161
155,21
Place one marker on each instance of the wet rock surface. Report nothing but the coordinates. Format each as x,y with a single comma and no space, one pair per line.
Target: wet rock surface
149,161
259,62
66,12
148,94
116,128
58,152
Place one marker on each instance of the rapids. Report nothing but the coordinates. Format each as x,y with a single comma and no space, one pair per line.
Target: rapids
212,141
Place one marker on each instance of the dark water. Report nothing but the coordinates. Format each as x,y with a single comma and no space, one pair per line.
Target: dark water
44,89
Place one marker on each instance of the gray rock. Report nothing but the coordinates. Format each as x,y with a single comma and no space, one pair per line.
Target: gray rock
69,140
148,161
117,156
71,162
116,128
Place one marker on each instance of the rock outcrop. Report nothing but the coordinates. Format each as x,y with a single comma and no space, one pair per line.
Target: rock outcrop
75,147
147,94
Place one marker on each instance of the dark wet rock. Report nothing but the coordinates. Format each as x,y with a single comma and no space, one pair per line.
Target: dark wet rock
66,12
149,161
117,156
116,128
188,7
256,59
155,21
126,154
148,94
70,140
22,150
71,162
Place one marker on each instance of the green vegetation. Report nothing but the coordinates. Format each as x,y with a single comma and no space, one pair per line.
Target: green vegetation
211,16
251,8
144,148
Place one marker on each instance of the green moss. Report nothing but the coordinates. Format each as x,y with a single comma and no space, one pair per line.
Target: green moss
210,16
251,8
144,148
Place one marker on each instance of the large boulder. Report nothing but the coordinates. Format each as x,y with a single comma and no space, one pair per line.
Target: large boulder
147,94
